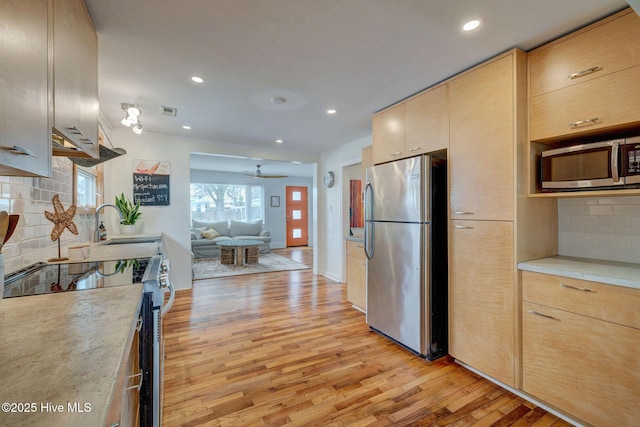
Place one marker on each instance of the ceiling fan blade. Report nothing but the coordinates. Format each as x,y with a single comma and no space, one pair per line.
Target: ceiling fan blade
272,176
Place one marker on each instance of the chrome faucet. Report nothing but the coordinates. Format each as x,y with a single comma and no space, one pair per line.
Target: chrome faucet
97,235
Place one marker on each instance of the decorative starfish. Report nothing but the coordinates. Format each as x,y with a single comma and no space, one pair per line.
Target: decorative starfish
61,218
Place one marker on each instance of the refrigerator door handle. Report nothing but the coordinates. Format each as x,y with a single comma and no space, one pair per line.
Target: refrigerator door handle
368,222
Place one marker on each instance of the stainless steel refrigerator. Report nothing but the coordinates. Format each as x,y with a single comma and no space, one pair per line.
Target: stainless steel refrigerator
406,247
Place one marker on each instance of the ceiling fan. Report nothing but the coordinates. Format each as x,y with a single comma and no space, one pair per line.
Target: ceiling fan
258,174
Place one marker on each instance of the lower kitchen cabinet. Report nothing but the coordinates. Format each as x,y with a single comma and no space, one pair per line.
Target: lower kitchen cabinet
356,275
586,367
580,347
124,410
481,297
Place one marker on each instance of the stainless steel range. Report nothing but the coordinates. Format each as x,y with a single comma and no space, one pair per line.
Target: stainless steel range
152,272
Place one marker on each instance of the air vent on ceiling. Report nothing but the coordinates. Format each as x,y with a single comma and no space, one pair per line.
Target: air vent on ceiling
169,111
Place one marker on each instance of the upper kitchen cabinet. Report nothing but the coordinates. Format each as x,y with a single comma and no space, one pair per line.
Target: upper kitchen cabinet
586,82
416,126
481,151
388,134
426,125
25,138
75,75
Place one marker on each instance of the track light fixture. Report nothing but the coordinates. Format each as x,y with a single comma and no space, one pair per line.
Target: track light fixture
132,117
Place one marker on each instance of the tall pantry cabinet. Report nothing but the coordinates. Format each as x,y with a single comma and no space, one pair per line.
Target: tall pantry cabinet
492,223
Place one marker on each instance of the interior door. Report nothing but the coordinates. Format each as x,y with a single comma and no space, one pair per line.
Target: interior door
297,216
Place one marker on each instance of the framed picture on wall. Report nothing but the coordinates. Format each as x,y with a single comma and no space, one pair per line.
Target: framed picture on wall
275,201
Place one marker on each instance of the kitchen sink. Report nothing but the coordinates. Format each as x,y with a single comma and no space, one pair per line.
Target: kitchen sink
130,240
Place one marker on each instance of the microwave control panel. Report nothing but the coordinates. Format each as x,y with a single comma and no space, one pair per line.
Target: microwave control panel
631,159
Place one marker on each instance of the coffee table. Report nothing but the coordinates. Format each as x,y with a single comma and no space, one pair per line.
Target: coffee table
239,252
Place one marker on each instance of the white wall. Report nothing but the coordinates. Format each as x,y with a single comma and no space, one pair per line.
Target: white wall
174,220
331,213
274,219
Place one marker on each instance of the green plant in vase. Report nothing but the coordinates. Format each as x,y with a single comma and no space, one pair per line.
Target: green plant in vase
130,213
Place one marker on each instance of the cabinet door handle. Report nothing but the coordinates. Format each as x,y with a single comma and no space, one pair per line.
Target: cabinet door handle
536,313
397,153
462,213
577,288
139,385
21,151
75,130
583,122
87,141
415,149
584,72
463,227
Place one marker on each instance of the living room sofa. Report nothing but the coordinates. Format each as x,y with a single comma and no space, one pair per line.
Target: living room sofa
203,239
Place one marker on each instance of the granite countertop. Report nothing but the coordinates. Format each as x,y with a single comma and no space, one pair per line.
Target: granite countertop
66,348
609,272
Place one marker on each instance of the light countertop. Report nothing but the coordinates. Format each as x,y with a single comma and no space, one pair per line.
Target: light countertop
609,272
354,239
61,349
100,251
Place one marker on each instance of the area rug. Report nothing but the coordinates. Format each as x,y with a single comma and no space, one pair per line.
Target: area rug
210,268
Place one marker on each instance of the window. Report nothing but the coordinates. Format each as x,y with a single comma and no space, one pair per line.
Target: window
218,202
87,188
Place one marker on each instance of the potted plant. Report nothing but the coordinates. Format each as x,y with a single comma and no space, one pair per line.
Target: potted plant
130,214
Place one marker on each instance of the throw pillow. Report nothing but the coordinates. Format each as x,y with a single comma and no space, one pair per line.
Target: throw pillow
220,226
239,228
210,234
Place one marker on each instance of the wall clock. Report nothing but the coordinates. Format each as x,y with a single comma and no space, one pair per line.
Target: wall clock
329,179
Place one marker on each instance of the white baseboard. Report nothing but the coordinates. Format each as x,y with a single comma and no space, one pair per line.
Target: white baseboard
331,276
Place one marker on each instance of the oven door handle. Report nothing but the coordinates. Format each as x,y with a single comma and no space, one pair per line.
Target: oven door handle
172,297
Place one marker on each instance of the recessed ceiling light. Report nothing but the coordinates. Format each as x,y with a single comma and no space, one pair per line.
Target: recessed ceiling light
278,100
279,141
197,79
471,25
331,111
186,127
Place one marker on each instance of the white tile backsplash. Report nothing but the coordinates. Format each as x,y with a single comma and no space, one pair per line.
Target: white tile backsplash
606,228
30,197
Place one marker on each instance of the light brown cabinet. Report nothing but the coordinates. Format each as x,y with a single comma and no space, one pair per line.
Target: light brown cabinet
481,297
356,275
481,159
599,105
124,410
75,75
493,226
25,140
572,358
388,134
427,122
416,126
367,162
586,82
606,47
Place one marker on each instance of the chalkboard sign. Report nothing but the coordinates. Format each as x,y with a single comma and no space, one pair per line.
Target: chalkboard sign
151,183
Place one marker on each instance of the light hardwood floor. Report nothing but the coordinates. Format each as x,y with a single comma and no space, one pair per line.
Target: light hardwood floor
286,348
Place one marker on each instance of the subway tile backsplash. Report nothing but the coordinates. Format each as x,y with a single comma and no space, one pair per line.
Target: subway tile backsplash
606,228
30,197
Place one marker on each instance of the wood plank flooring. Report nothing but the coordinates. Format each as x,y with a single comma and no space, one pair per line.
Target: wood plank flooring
287,349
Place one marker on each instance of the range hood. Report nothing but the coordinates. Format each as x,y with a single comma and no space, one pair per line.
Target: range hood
60,147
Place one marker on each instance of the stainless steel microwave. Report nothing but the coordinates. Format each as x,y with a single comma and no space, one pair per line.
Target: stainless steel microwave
604,164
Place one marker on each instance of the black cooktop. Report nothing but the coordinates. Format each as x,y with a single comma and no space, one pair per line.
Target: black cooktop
41,278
